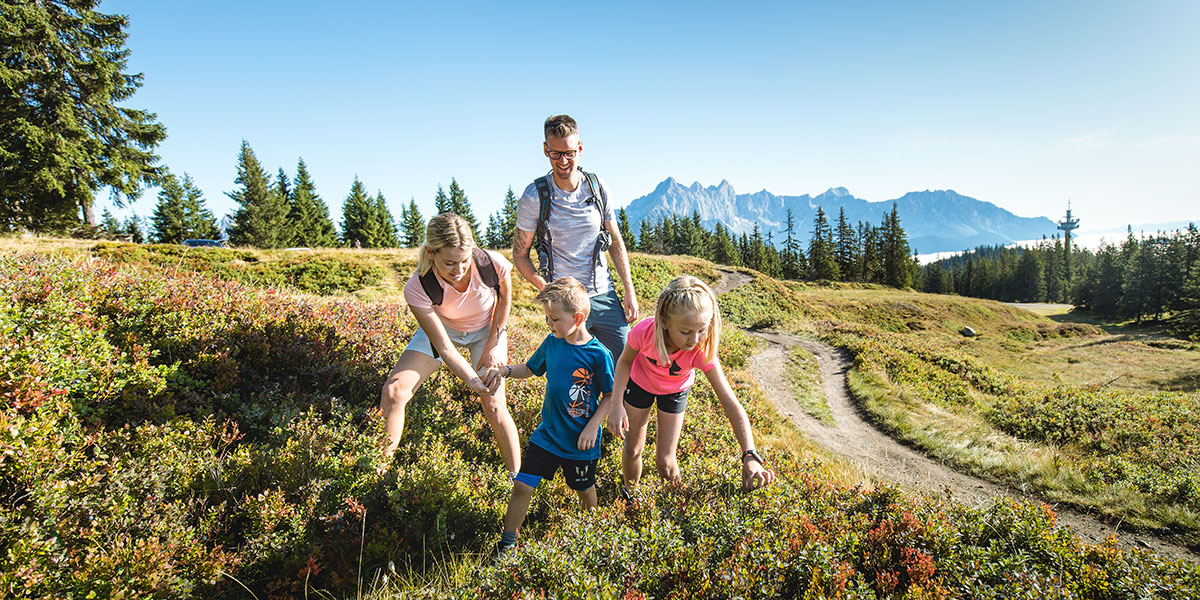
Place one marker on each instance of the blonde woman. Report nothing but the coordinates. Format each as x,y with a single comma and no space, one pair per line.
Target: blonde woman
460,296
658,367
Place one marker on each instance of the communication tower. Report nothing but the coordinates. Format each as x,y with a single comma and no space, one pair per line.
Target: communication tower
1068,225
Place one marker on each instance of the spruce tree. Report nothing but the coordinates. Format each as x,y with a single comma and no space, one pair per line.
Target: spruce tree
508,219
822,265
460,206
897,262
180,213
384,224
622,225
412,226
66,133
261,221
441,202
134,228
724,250
109,226
846,252
309,217
357,217
493,236
167,225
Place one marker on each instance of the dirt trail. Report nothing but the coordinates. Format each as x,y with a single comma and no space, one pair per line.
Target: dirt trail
882,457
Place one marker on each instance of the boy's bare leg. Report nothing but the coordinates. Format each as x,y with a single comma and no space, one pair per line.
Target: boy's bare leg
587,498
518,506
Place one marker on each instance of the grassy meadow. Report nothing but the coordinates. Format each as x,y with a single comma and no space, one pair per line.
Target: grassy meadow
204,423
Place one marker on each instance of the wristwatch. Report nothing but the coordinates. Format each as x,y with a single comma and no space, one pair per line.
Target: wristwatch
752,453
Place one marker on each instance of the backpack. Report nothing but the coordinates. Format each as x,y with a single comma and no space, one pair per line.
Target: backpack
542,237
483,263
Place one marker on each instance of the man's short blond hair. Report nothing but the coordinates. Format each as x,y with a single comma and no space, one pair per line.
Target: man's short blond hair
560,126
566,293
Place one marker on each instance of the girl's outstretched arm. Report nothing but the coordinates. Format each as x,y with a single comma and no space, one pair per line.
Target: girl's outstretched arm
618,423
753,473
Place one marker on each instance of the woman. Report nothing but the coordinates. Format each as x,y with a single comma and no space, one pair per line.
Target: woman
472,312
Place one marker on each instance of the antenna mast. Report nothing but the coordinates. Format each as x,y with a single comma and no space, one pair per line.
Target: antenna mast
1068,225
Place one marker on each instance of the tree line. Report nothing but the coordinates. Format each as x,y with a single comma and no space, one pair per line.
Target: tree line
859,252
1149,277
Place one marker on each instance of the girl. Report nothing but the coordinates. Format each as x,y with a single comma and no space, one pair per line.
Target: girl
657,366
460,296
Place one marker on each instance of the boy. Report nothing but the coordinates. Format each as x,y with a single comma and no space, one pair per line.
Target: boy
579,380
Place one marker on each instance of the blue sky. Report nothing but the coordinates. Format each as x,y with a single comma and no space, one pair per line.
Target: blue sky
1022,104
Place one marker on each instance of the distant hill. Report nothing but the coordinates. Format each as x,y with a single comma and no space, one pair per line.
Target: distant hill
935,221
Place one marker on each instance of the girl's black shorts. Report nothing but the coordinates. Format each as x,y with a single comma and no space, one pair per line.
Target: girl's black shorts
637,397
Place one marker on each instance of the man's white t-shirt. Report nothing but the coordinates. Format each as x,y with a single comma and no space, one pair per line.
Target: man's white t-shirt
574,225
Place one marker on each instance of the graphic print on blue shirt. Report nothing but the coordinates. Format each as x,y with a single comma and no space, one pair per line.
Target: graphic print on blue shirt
576,378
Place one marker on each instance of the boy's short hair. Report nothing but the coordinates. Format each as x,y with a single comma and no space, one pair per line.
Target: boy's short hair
566,293
560,126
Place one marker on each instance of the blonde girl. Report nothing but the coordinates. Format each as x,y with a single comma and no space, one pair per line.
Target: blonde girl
471,314
658,367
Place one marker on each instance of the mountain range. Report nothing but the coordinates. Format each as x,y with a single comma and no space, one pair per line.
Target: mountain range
934,220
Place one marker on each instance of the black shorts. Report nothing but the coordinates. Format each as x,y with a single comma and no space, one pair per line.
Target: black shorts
636,397
539,463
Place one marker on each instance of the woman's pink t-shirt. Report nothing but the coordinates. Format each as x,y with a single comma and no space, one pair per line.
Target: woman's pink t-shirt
462,311
663,379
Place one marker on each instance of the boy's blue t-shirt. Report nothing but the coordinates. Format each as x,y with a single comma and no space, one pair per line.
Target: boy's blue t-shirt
576,378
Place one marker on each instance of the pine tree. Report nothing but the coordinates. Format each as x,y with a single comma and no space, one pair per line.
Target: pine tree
622,225
180,213
789,264
109,226
897,264
1187,323
822,264
846,252
66,133
412,226
1031,281
508,219
309,217
167,224
134,228
441,203
262,219
384,226
492,237
460,206
357,217
724,250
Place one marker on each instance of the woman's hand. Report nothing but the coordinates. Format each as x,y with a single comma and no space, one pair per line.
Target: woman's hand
477,386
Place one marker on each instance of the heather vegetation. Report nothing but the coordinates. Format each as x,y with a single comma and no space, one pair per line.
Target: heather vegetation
1114,437
167,431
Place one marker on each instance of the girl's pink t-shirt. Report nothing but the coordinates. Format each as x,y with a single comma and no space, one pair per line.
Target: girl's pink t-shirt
658,379
462,311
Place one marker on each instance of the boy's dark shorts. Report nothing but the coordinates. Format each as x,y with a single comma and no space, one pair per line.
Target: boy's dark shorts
669,403
541,464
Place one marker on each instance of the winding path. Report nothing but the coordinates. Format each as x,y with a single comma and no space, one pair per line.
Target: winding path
882,457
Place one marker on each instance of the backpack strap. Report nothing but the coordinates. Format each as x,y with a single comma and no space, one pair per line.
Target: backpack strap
483,263
487,269
603,238
542,238
432,287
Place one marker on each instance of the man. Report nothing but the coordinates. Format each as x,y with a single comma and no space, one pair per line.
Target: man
578,235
